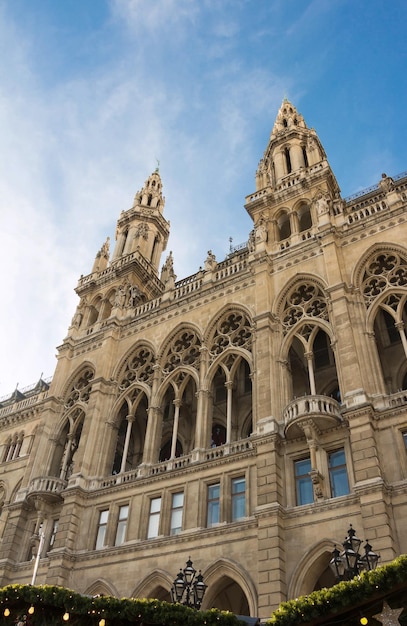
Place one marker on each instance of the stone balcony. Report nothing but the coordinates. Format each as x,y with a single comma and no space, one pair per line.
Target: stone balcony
46,488
322,411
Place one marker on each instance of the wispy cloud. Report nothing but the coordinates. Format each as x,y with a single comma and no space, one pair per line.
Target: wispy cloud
153,16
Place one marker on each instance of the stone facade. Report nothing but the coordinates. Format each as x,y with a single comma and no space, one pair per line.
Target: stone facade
243,416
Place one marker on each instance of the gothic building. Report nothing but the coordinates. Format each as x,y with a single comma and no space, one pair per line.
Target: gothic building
243,416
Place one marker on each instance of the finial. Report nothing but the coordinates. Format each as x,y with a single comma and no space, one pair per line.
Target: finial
230,244
157,169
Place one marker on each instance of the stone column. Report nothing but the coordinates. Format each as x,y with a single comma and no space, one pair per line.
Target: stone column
130,420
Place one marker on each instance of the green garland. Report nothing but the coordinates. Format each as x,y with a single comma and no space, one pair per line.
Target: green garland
327,601
51,603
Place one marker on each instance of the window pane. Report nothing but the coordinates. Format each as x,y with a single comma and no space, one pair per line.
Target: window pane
213,505
338,474
121,525
405,440
101,533
176,513
305,494
53,534
238,498
154,519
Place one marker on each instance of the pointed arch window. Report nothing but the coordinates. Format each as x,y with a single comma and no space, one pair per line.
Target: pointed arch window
288,160
312,363
13,447
132,420
179,418
284,226
304,217
305,156
390,335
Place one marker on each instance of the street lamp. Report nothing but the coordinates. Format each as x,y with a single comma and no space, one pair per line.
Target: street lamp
188,588
349,563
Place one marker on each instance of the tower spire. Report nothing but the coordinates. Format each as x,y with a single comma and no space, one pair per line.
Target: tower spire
143,227
292,148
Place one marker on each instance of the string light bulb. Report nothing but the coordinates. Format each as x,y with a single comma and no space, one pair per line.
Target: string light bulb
364,621
65,616
31,610
6,612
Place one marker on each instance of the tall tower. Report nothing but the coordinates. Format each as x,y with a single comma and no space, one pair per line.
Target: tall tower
295,185
131,276
143,228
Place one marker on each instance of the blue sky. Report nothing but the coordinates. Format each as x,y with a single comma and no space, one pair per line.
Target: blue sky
93,92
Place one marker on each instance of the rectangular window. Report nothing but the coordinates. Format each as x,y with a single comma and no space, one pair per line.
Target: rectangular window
238,498
154,518
405,440
53,534
303,482
177,507
121,525
338,475
102,525
213,516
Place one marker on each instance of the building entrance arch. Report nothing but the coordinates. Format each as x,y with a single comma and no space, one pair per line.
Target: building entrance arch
230,588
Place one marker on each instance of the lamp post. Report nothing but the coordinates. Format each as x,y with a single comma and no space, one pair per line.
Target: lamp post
188,588
349,563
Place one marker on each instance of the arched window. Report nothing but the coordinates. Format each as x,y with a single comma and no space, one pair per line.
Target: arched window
131,434
321,350
288,160
305,156
94,311
284,226
304,217
123,241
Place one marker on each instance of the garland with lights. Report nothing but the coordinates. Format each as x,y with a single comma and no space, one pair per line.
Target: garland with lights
45,605
343,596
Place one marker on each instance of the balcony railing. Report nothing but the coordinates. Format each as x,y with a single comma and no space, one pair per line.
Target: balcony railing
182,462
47,487
322,410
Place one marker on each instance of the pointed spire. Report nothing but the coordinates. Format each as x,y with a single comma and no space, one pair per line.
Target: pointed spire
292,148
151,194
287,118
143,228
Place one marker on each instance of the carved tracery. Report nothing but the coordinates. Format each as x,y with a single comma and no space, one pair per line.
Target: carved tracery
232,330
384,270
139,368
184,349
81,388
304,300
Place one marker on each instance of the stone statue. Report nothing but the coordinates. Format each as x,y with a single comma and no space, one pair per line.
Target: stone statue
251,244
78,316
322,205
120,297
261,230
134,296
386,184
210,262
